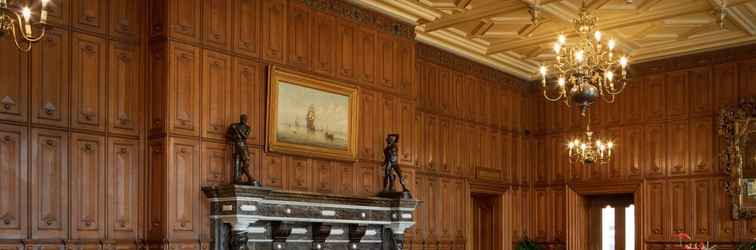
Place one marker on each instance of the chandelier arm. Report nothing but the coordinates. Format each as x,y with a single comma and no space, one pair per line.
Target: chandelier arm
609,99
26,46
29,38
622,88
546,95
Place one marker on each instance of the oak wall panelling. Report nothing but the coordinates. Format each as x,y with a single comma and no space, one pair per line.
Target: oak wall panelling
50,82
246,35
89,67
88,173
216,86
217,19
184,89
14,92
125,189
49,184
125,103
125,21
273,21
14,144
90,15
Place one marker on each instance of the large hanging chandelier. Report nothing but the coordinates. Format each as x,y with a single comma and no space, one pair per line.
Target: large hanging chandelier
585,70
586,150
19,25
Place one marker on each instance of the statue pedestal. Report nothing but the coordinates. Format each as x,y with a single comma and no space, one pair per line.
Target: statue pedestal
396,195
272,219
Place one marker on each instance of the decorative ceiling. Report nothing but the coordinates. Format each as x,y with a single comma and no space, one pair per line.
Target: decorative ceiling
502,34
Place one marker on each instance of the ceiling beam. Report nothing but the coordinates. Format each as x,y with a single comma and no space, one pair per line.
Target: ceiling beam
474,14
595,4
615,23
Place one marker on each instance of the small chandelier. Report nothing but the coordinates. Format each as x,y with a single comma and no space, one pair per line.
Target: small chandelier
585,70
588,151
19,25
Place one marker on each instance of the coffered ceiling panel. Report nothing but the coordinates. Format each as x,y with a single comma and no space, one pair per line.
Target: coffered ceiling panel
506,35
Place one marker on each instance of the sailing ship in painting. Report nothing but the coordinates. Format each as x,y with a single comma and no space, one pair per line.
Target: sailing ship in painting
311,129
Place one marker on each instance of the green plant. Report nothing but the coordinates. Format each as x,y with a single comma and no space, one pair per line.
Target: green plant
527,244
747,245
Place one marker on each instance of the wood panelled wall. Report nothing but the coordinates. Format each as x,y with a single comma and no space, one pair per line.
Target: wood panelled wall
208,62
71,130
665,126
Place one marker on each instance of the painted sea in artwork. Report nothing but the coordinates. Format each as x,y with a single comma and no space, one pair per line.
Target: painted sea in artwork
312,117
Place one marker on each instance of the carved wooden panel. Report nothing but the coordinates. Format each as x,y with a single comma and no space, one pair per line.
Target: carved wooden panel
700,91
247,27
323,176
405,67
632,111
248,97
124,90
702,155
345,183
299,174
49,184
183,177
368,121
14,92
216,167
184,89
217,18
156,99
184,20
125,21
156,197
364,176
677,148
346,44
656,146
273,22
384,59
299,41
390,122
87,179
273,170
702,208
676,97
124,196
323,42
725,78
50,82
655,97
366,53
14,146
216,86
656,210
747,72
679,206
406,130
559,213
89,82
542,219
632,150
90,15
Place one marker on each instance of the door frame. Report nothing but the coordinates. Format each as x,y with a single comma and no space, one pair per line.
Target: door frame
503,215
584,190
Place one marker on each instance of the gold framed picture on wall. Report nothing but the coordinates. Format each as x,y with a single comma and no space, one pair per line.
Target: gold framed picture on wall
311,116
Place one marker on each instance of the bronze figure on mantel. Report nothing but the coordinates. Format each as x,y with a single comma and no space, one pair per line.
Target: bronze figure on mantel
238,133
392,171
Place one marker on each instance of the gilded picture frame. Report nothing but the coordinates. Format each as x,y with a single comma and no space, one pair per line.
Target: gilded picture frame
311,116
737,126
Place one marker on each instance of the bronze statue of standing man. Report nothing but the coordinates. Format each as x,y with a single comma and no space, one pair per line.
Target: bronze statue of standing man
391,166
238,133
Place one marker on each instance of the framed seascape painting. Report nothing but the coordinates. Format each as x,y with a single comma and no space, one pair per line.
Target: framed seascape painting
311,116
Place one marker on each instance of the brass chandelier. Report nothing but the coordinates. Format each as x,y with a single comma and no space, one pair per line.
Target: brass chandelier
19,25
585,70
588,151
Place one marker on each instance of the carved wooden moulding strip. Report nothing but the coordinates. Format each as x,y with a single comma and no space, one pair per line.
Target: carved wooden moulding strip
458,63
695,60
267,219
363,16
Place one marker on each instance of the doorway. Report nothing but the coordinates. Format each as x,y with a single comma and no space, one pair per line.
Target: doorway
612,222
486,221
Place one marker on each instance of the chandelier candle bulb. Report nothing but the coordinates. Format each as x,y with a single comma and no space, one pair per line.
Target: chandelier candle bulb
43,14
26,13
597,35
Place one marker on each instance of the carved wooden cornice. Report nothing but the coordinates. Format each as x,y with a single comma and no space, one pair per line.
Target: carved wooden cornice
458,63
695,60
363,16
